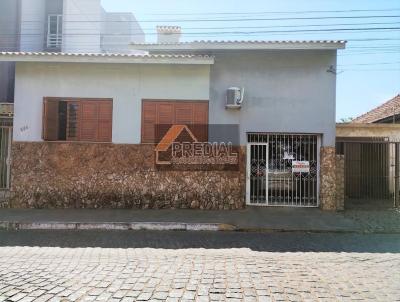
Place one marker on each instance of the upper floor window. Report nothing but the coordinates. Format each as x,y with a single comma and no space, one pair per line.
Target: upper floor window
77,120
54,31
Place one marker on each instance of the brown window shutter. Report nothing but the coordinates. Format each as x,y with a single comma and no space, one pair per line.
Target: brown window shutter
149,120
165,119
50,120
104,121
88,121
200,119
184,113
158,113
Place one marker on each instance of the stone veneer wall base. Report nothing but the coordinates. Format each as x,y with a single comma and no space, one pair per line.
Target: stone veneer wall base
85,175
328,178
340,182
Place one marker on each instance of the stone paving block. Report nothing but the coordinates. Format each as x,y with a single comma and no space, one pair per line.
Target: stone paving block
128,299
16,297
144,297
213,275
175,293
26,299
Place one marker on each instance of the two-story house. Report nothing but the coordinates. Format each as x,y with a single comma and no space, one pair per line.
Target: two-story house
61,26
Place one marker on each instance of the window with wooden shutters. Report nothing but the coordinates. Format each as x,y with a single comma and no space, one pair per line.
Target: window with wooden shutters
77,120
51,120
158,116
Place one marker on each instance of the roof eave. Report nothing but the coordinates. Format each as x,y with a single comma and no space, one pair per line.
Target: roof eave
367,125
240,46
106,60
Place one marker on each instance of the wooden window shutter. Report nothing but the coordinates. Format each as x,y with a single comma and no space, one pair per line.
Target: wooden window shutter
88,121
149,120
158,113
200,120
165,119
104,121
50,120
184,113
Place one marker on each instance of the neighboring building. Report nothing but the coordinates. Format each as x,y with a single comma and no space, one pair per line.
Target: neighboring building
370,147
9,29
387,113
61,26
85,125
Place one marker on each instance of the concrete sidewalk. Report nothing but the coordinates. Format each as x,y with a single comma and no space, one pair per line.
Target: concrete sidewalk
250,219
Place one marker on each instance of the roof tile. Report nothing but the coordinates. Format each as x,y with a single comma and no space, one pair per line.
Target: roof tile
125,55
387,109
248,42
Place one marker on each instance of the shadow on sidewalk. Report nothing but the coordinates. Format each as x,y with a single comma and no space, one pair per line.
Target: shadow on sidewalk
267,242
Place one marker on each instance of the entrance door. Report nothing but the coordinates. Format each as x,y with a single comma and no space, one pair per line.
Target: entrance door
257,174
282,170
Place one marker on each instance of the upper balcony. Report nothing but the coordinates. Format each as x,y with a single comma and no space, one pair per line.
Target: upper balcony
6,110
54,32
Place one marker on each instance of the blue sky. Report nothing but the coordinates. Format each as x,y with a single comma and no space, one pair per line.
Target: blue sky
369,69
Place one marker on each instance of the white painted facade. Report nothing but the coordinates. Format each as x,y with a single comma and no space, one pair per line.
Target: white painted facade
285,92
81,26
86,27
32,34
126,84
118,31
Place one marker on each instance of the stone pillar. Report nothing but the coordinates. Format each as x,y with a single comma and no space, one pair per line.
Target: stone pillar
340,182
328,178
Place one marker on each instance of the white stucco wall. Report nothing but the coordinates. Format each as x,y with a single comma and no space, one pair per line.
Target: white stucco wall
392,131
285,91
126,84
81,26
32,36
119,30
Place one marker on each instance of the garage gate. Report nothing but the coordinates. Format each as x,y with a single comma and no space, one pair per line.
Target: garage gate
371,171
271,177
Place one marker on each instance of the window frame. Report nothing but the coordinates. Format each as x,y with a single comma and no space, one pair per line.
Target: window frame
174,101
54,40
75,100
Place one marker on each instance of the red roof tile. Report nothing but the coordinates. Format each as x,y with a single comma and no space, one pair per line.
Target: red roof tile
388,109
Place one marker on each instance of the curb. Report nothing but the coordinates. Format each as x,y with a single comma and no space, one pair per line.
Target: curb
168,226
312,231
117,226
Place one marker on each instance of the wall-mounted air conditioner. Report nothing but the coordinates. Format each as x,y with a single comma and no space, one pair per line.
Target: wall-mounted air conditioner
234,98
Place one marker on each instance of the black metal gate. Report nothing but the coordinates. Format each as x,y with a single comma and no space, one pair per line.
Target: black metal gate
6,130
282,170
371,171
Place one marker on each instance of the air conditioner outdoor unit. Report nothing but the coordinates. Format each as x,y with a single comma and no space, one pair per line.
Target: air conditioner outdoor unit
234,98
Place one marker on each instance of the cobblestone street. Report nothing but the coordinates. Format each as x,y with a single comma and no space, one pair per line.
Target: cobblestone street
197,274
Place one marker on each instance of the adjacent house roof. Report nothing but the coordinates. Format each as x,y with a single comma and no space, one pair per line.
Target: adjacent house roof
242,45
386,110
137,58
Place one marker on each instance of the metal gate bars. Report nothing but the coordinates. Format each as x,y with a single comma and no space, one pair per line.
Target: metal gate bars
272,177
371,171
5,156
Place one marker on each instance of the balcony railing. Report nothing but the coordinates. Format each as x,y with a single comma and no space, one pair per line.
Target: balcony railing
54,40
6,110
54,31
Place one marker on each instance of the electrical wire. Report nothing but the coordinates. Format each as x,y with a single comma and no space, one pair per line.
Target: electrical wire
226,20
